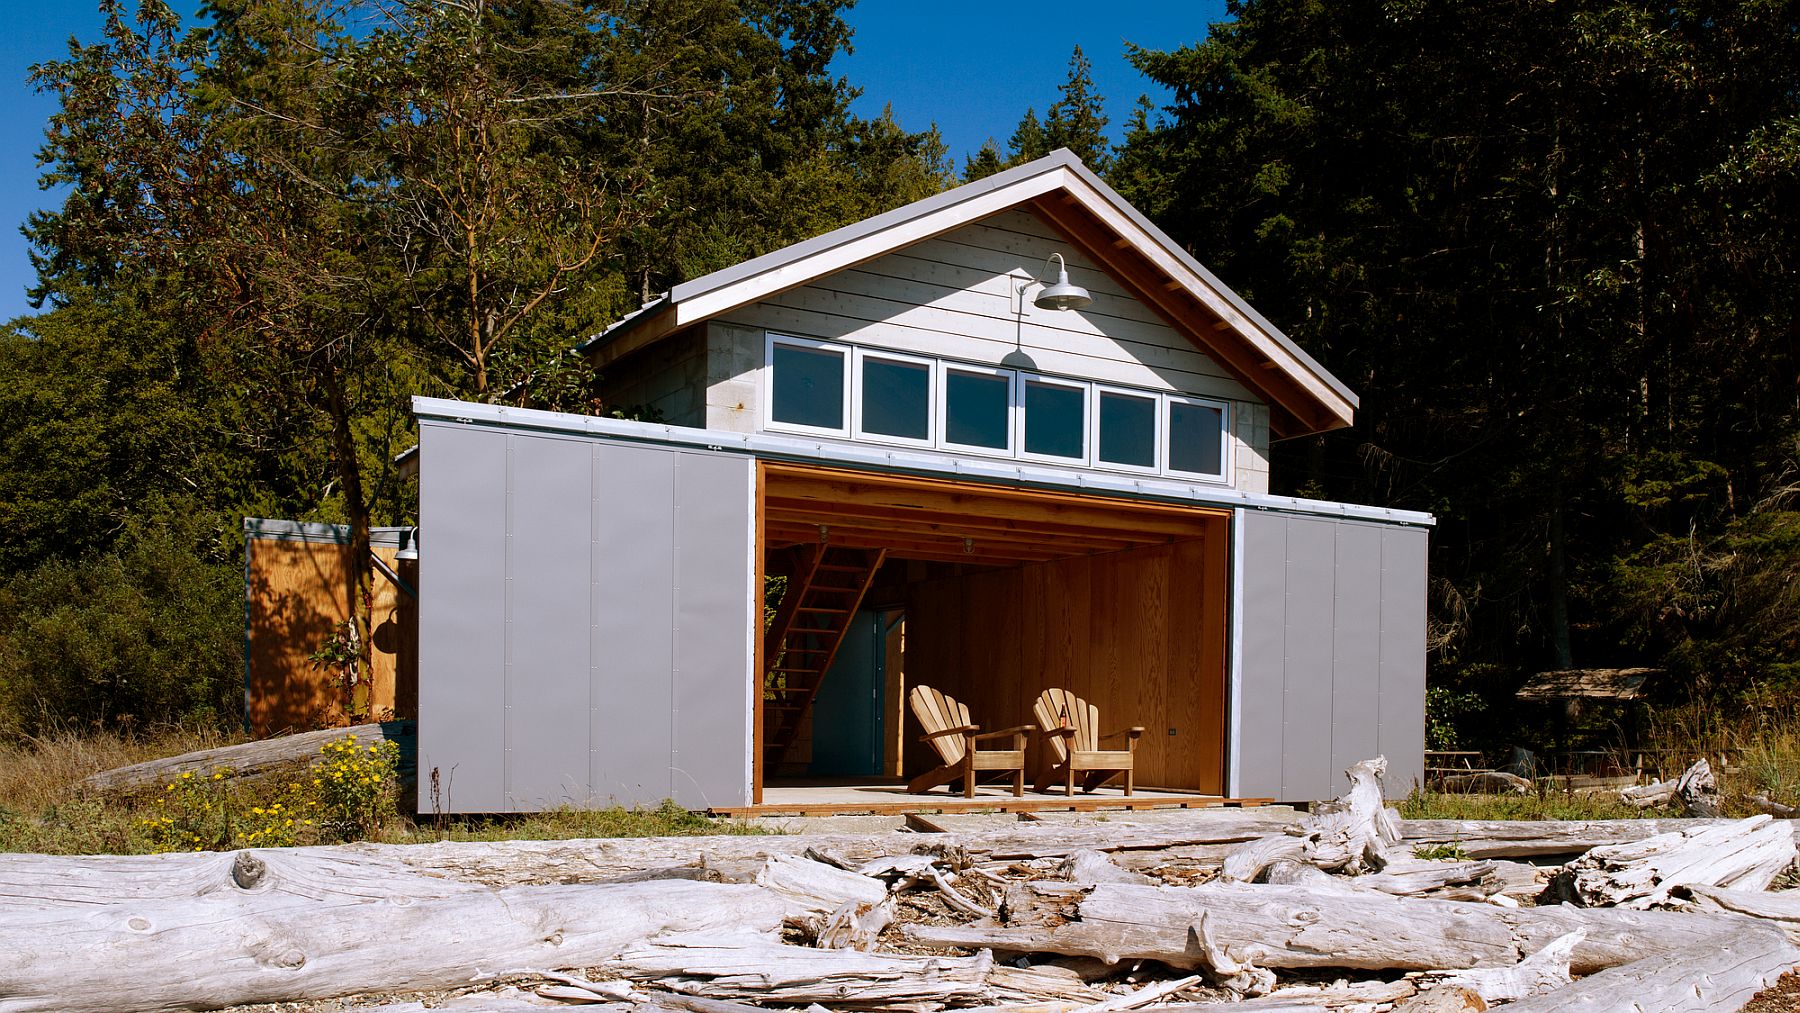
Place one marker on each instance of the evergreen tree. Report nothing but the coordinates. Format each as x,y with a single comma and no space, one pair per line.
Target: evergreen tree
1547,245
1028,140
983,163
1075,121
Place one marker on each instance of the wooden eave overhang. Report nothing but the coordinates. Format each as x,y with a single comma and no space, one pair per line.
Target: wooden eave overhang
1303,397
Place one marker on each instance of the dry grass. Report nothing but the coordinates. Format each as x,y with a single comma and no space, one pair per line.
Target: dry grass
39,771
1763,747
1548,805
44,808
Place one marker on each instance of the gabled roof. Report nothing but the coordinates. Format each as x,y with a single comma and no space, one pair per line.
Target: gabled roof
1303,397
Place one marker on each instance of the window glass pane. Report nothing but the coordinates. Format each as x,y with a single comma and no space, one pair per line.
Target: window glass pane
1055,419
975,409
809,387
1127,430
1196,441
896,398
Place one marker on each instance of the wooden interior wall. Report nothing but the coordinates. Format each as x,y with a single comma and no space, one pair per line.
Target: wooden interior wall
1141,634
295,599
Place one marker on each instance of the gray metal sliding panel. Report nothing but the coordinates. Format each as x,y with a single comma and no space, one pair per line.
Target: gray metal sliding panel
1306,713
631,628
462,502
714,511
1404,554
547,620
1261,616
1332,625
1356,649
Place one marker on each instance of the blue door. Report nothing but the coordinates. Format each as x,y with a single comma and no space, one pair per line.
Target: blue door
847,712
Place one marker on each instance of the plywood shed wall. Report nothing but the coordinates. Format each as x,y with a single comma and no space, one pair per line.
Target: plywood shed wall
1139,633
294,596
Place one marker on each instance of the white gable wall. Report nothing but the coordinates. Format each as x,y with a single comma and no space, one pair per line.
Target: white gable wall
955,297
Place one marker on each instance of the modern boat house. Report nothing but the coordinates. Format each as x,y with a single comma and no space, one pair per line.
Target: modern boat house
1007,438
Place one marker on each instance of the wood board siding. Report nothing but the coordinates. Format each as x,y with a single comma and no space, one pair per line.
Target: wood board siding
1140,634
295,597
954,297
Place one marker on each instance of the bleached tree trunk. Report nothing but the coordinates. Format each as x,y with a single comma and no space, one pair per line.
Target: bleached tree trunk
232,945
1351,834
742,967
247,759
1747,854
1286,926
1721,974
1540,838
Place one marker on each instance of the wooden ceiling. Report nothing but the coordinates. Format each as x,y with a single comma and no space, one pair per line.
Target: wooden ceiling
960,522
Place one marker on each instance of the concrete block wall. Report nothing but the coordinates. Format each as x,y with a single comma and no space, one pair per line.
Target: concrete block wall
665,377
1250,447
734,355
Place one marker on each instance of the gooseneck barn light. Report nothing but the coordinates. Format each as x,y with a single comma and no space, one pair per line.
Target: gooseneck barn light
1062,295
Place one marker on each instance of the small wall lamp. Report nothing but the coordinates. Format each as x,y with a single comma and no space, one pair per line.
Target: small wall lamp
1062,295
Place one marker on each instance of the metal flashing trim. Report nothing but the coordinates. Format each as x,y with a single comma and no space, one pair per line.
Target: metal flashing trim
769,446
1056,161
624,323
270,530
1234,663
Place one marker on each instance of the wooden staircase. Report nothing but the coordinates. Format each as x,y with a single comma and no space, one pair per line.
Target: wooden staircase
826,584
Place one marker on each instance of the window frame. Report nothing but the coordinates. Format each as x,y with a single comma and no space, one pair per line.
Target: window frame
1085,387
1158,427
941,414
931,398
938,370
1167,426
768,385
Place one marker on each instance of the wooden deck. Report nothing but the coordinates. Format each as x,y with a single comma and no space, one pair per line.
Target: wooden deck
890,798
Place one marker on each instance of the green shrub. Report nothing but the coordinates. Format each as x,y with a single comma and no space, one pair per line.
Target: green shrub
148,633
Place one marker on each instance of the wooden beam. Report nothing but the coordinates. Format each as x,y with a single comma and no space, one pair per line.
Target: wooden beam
1136,527
988,803
660,325
904,547
943,526
791,480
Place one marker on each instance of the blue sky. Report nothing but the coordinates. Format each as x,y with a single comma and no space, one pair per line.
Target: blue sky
973,69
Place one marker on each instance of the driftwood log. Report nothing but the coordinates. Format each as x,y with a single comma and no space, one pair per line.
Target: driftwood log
693,921
1543,971
739,966
1722,974
1698,791
41,882
249,759
1541,838
1748,854
1351,834
1299,927
233,945
1646,795
1781,908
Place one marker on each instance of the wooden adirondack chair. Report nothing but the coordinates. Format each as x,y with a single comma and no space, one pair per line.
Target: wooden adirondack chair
1072,733
957,741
